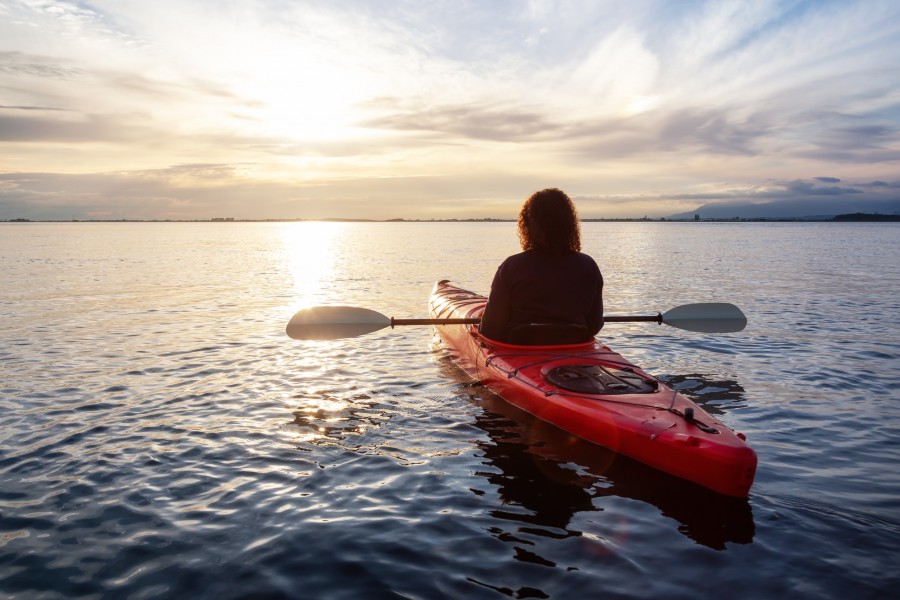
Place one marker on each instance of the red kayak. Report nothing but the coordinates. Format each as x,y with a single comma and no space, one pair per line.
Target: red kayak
597,395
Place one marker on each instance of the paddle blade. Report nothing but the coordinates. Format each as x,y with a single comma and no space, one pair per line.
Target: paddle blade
334,322
709,317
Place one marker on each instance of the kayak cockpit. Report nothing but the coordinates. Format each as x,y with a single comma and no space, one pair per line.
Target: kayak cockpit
596,378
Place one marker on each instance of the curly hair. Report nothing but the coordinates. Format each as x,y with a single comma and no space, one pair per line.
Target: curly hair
548,222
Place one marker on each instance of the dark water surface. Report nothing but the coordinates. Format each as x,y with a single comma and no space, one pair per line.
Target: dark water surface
160,436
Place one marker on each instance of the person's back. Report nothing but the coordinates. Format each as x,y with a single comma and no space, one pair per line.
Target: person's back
550,292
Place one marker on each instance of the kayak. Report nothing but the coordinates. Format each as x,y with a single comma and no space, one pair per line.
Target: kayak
594,393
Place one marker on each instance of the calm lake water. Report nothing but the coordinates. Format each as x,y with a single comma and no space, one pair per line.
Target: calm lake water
161,437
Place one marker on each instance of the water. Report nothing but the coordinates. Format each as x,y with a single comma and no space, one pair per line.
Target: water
161,437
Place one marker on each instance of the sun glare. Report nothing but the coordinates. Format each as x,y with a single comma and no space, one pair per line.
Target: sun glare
308,102
641,104
305,115
309,252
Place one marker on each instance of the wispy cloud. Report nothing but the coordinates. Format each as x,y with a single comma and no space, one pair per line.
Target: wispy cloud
467,121
21,64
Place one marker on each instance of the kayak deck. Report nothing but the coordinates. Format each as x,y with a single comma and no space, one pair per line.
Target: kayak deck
596,394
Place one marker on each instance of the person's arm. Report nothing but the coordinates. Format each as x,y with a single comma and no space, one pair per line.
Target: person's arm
595,316
496,313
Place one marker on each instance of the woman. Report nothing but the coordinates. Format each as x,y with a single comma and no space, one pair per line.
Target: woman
550,293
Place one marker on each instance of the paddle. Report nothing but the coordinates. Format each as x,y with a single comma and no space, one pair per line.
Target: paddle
336,322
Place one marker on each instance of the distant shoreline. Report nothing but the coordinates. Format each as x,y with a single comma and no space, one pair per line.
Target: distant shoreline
846,218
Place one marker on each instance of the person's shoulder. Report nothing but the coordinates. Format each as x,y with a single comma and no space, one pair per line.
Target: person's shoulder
516,259
510,264
587,261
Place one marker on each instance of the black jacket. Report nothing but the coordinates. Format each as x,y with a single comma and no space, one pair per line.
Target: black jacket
533,287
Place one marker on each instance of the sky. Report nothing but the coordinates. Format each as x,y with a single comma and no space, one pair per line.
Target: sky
279,109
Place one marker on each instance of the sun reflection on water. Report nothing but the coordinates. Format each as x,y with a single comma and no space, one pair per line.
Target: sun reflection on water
310,255
309,251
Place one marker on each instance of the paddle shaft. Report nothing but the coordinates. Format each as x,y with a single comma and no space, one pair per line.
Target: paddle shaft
657,318
394,322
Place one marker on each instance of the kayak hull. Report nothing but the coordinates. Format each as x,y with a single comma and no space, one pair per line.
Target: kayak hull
649,422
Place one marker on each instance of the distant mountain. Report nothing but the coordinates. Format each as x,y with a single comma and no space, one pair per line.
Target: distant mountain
867,217
812,208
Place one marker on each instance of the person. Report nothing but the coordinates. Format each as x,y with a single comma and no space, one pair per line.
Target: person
550,293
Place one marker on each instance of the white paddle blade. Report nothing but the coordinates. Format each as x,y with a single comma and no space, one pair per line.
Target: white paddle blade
334,322
708,317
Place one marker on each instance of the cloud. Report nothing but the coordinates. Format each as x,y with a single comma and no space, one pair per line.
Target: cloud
473,121
15,63
31,107
42,128
793,190
715,131
808,188
880,184
860,138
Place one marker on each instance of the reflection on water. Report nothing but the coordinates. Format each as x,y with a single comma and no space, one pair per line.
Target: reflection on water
715,396
308,250
333,418
554,475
